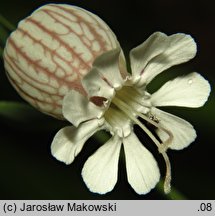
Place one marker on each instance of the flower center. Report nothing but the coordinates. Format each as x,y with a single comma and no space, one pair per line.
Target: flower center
125,108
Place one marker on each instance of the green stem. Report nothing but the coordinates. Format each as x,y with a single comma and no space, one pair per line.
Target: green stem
6,23
1,52
175,194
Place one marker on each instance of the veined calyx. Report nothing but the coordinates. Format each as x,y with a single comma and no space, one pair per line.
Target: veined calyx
50,52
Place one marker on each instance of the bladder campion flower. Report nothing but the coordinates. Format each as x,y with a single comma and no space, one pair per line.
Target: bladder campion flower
116,100
50,52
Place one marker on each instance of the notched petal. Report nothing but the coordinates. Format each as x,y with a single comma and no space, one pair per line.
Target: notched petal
191,90
101,169
108,65
145,52
105,76
142,169
183,132
77,108
69,141
181,48
96,86
158,53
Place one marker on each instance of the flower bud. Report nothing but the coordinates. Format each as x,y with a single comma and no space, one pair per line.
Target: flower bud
51,50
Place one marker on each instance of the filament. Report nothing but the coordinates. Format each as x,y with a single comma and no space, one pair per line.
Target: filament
161,147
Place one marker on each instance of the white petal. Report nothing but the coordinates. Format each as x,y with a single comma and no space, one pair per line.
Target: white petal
96,86
77,108
188,91
179,48
142,54
69,141
142,169
105,76
183,132
108,66
101,169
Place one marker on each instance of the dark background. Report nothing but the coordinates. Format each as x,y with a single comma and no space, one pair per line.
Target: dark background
27,169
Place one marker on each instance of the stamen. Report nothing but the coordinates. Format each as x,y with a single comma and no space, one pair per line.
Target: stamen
164,144
133,95
169,140
167,181
126,109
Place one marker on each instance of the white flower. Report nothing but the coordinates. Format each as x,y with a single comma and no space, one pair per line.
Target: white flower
117,99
